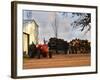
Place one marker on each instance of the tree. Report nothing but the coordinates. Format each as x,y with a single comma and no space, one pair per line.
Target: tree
29,15
84,20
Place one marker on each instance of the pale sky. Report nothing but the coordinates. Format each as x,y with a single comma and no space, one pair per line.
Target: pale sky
46,23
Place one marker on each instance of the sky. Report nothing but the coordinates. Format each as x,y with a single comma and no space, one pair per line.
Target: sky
47,21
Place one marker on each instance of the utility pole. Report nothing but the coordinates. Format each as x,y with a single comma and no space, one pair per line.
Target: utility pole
56,30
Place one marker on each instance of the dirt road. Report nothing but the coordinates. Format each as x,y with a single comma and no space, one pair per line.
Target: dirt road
69,60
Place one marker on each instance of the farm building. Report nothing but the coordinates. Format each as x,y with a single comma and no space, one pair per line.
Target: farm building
30,34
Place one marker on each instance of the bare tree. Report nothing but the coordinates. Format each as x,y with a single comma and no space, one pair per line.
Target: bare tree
84,20
29,15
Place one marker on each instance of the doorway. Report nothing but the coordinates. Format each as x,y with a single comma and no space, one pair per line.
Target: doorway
25,43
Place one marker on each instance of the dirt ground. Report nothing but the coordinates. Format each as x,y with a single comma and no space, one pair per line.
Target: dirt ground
69,60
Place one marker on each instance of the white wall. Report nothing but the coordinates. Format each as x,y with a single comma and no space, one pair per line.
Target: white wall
5,40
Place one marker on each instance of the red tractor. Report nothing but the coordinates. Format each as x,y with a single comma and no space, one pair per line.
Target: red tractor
40,50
